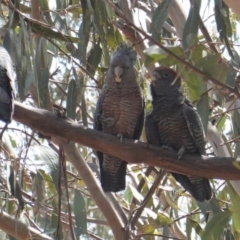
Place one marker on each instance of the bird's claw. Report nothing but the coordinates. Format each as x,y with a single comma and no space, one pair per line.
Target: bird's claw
109,121
166,147
181,152
120,136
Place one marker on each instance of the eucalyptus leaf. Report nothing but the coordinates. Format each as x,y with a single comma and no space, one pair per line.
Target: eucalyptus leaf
215,227
159,16
190,30
79,209
72,99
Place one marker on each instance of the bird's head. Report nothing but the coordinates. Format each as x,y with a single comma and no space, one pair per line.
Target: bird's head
165,80
122,65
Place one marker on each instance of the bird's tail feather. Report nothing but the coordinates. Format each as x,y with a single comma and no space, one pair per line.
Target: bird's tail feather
199,188
113,174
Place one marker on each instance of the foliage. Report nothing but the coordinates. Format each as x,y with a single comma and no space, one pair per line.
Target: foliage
61,51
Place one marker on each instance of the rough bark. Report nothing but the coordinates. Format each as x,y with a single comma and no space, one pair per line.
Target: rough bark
128,150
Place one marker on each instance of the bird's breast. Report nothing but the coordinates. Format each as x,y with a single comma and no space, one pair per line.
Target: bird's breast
173,129
121,111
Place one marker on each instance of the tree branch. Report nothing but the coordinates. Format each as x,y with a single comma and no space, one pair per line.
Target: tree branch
131,151
19,230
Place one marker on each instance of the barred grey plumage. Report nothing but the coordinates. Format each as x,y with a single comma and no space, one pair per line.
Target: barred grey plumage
176,124
120,112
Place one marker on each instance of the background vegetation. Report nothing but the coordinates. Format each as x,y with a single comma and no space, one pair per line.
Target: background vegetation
61,50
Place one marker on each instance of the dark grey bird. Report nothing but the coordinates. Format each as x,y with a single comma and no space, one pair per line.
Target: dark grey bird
120,112
6,87
175,123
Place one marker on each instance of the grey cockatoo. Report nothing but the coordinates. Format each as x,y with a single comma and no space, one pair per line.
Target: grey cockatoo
175,123
120,112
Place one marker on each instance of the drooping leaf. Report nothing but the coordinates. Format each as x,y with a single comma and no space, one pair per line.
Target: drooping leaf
84,31
203,106
159,16
72,99
57,230
190,31
234,208
216,226
38,189
94,58
214,65
222,21
79,209
15,189
196,226
42,75
155,54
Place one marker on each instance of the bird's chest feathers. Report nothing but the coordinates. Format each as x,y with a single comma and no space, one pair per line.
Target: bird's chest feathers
121,111
172,128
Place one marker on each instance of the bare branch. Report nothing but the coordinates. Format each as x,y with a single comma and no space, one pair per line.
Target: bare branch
20,230
128,150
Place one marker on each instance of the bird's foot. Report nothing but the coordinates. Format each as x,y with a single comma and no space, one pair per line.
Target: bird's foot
120,136
166,147
109,121
181,152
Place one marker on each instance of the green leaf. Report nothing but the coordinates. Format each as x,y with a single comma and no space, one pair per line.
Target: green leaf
59,23
155,54
159,16
222,21
52,187
216,225
196,226
136,194
84,31
236,130
42,75
80,214
48,31
147,228
47,160
190,31
164,218
15,189
203,106
214,65
72,99
38,191
54,224
128,195
94,58
234,208
193,83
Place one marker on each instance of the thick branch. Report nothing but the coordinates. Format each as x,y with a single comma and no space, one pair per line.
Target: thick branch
133,152
20,230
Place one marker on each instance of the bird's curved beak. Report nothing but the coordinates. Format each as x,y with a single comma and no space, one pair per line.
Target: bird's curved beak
118,71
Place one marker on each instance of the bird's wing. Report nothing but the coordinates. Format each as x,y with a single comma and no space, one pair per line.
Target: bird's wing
152,134
140,121
195,126
97,124
4,97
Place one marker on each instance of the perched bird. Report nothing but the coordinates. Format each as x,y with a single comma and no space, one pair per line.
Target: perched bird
120,112
175,123
6,86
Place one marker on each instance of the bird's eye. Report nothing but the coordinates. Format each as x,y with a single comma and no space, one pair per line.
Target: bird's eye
165,75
